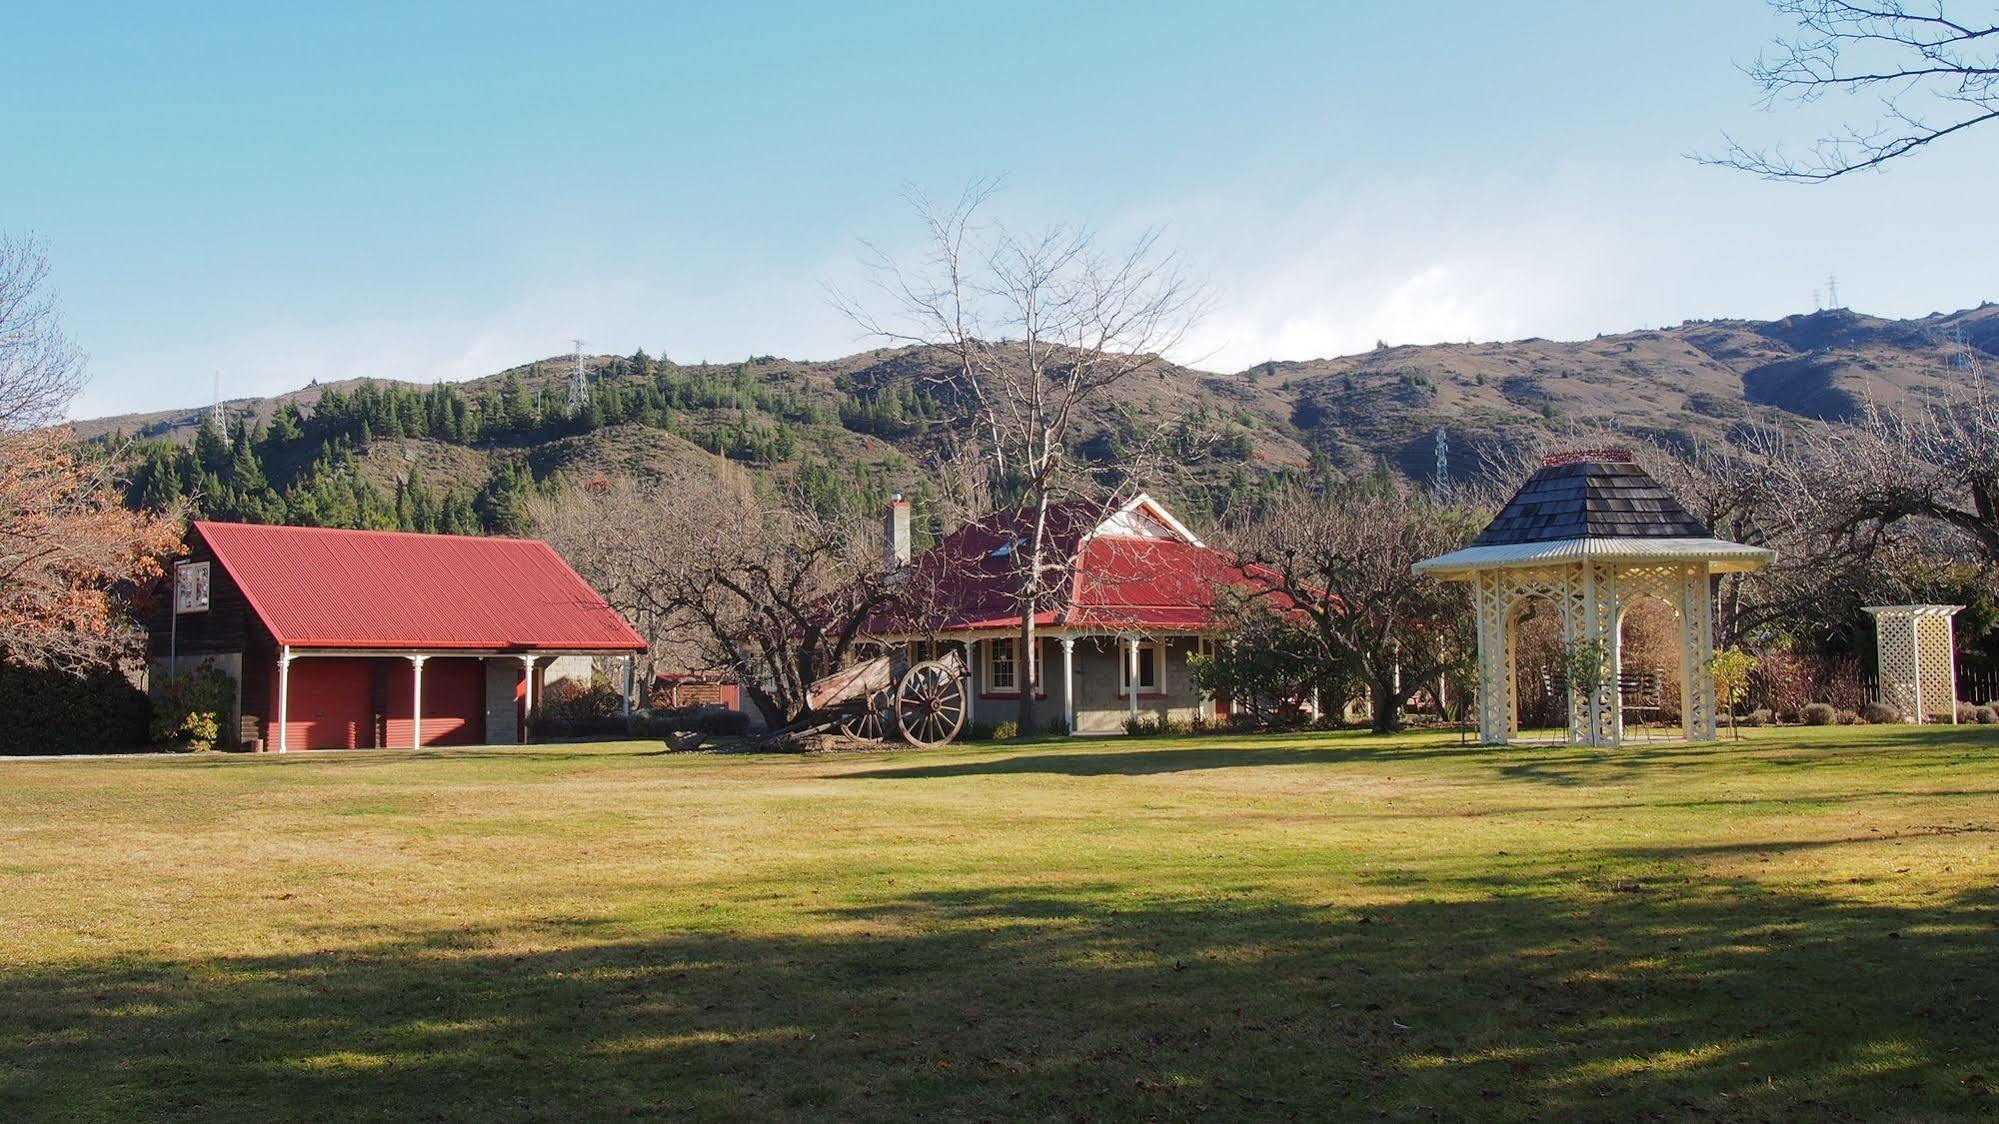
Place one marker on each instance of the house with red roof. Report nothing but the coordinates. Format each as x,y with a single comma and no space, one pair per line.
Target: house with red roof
350,639
1137,598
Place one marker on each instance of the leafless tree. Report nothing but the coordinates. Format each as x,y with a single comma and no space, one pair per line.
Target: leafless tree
1345,566
1037,329
41,370
1935,462
753,585
1934,73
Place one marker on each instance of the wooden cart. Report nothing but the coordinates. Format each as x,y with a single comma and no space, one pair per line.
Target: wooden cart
924,704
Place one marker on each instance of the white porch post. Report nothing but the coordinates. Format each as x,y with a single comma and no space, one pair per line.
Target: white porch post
284,692
631,681
527,694
1131,674
416,701
971,678
1069,683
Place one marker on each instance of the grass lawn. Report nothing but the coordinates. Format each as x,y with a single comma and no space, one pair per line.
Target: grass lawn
1804,924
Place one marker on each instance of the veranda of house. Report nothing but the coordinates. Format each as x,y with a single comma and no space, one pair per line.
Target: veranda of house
1138,604
1097,669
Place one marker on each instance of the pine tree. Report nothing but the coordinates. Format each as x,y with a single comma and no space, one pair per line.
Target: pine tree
211,449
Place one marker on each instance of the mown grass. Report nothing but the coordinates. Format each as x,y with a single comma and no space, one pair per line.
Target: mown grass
1804,924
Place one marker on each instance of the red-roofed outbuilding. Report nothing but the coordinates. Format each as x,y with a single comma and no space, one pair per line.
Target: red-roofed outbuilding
344,639
1140,599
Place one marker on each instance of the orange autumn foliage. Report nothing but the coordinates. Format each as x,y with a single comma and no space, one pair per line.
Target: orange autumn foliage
71,555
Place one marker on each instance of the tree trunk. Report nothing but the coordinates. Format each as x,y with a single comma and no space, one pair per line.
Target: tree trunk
772,711
1387,707
1025,671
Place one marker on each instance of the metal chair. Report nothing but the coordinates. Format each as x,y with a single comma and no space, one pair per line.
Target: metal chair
1640,693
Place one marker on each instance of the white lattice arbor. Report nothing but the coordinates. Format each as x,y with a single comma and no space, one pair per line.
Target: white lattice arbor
1592,534
1915,660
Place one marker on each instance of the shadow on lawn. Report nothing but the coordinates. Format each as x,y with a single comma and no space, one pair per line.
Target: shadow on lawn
1561,765
1620,997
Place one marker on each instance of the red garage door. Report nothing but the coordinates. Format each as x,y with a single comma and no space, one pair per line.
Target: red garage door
454,703
330,704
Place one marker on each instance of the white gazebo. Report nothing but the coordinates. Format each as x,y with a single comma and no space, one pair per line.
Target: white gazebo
1591,533
1915,660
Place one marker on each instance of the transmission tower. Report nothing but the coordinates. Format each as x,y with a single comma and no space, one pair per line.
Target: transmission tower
1443,459
1962,358
579,382
215,405
1832,291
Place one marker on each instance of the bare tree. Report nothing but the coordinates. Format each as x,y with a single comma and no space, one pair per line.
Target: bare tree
1936,462
759,587
41,370
1037,328
1935,75
1345,566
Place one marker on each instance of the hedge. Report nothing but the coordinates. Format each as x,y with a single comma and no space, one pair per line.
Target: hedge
48,711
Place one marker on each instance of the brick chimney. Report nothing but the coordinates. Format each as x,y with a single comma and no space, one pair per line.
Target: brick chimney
895,533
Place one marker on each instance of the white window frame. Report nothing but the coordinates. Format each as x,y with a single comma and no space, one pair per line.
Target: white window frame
1158,685
993,663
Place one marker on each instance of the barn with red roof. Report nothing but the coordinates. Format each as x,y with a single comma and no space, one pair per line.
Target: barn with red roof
351,639
1138,599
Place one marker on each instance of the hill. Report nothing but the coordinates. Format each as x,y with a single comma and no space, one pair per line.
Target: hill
848,431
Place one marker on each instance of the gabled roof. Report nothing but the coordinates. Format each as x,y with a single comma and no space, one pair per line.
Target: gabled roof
316,587
1136,568
1595,504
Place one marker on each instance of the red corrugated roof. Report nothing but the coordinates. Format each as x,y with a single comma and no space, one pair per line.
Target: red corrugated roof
315,587
1119,582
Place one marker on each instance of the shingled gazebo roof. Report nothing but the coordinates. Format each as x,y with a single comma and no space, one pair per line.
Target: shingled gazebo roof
1592,496
1594,504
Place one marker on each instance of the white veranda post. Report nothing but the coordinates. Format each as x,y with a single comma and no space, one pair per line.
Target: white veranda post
1069,682
416,702
1915,656
284,693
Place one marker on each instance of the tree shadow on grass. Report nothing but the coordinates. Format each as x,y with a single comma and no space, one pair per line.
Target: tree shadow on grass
373,758
1624,995
1557,765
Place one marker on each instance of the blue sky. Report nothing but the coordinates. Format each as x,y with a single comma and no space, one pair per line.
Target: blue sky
433,191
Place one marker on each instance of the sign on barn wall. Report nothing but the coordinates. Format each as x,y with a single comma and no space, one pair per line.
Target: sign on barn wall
190,587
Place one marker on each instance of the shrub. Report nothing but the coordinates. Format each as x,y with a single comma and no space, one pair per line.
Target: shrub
1057,728
1849,717
1880,712
1140,727
1985,716
653,724
1005,731
1758,717
1841,684
977,732
193,707
724,723
51,711
1785,681
1818,714
1967,712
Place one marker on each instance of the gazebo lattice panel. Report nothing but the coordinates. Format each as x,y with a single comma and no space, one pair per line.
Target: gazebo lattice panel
1591,599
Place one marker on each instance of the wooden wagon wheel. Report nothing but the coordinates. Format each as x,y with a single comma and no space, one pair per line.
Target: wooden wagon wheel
869,725
930,705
